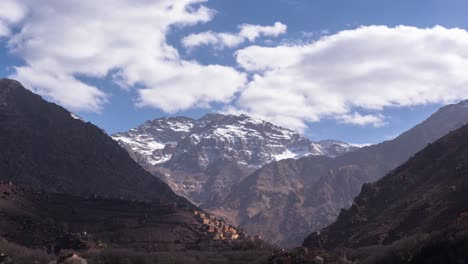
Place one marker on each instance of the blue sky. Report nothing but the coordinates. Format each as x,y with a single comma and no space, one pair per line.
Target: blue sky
323,70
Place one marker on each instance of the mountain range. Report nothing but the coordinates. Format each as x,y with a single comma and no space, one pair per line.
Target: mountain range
285,199
270,180
66,185
199,143
201,159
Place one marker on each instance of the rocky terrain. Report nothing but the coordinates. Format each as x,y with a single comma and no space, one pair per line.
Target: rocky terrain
202,159
194,145
285,199
418,213
425,194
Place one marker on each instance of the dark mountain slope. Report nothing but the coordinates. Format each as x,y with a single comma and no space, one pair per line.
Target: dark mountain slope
64,184
318,187
37,219
424,195
43,146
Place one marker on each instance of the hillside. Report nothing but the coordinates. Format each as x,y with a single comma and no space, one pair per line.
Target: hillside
425,194
43,146
285,199
418,213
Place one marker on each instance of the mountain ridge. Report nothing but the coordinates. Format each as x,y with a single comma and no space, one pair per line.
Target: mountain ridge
419,210
44,146
146,141
318,187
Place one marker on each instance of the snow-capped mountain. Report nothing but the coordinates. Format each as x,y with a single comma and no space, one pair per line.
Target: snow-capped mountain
247,141
154,141
330,148
202,159
194,145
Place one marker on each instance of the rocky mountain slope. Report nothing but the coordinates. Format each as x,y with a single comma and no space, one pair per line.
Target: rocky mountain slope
201,159
196,144
43,146
420,209
285,199
65,184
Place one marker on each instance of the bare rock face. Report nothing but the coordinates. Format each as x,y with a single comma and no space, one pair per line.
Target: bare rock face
284,200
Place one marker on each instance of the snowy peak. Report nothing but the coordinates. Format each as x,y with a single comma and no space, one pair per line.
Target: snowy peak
240,139
194,145
331,148
246,140
153,142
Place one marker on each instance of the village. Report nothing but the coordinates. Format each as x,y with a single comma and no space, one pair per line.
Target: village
219,229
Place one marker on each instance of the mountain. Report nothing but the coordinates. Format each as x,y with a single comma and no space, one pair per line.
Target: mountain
285,199
65,184
201,159
44,146
196,144
154,141
418,212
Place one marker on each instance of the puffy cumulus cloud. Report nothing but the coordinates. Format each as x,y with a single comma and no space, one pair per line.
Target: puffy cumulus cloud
76,94
61,41
368,68
196,87
247,32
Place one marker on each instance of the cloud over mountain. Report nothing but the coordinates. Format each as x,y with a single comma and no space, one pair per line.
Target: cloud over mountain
368,68
351,76
123,40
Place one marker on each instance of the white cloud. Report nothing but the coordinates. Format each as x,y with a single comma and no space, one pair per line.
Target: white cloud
197,86
61,41
76,95
367,68
362,120
247,32
11,12
370,68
